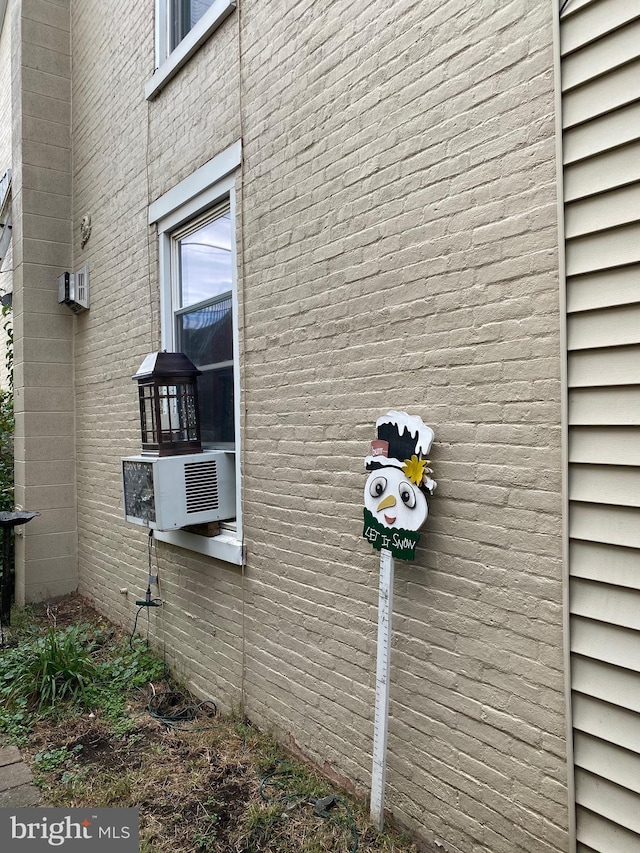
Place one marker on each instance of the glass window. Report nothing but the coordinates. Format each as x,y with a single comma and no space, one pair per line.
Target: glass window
198,305
181,28
203,317
184,15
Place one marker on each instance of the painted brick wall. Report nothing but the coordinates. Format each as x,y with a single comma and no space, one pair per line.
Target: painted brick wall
5,96
400,175
43,330
399,250
112,49
126,153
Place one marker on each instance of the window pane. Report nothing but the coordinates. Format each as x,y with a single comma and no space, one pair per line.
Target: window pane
204,319
185,14
215,388
205,261
205,334
198,8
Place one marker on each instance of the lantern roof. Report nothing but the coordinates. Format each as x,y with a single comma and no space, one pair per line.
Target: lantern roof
161,364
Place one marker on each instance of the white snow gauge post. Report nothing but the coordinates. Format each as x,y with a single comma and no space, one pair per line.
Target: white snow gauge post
395,508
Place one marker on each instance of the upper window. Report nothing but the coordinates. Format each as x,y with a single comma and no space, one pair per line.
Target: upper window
182,26
183,16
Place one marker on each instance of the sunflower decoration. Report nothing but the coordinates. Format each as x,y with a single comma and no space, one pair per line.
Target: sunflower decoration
416,470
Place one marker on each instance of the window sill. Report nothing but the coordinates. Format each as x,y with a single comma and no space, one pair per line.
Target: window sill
194,39
224,547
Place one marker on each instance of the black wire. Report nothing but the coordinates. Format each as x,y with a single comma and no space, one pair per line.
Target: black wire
283,771
135,625
149,548
185,711
157,602
566,3
350,820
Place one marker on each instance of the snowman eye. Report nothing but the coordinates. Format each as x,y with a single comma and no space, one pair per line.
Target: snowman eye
407,495
377,486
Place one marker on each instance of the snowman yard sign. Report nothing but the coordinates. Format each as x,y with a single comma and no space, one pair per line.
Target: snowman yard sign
395,494
395,508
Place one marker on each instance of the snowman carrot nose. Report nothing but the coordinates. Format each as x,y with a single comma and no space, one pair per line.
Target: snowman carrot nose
387,502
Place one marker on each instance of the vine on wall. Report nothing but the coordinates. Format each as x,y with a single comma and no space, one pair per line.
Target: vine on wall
7,419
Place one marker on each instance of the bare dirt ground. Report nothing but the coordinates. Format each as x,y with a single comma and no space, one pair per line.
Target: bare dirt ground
212,784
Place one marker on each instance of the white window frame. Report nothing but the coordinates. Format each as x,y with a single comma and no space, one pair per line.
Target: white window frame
212,183
169,62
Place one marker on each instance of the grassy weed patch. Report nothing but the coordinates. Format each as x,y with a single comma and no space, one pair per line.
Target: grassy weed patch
91,711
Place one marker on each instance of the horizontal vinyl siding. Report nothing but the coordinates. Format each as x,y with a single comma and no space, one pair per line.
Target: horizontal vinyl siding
616,485
602,562
600,680
616,207
600,41
607,603
610,406
611,327
613,247
602,289
611,801
602,171
607,723
606,133
621,47
588,21
604,834
620,766
608,367
606,524
618,87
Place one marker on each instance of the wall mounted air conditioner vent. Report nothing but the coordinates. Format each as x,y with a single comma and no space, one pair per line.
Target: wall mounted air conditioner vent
168,492
201,486
82,287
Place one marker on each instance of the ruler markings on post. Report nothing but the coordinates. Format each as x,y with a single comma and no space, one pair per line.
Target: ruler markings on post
385,609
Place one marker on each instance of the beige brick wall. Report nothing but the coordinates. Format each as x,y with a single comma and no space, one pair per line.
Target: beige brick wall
125,154
46,553
5,94
400,251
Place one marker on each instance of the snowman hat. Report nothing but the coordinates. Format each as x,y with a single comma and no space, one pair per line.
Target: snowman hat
403,441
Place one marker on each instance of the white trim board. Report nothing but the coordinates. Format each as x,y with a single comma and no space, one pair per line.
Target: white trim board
192,187
223,547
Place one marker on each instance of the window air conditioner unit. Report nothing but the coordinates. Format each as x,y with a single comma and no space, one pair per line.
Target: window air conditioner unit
167,492
73,290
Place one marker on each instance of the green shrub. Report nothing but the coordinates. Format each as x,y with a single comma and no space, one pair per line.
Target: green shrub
6,451
129,665
16,722
52,759
7,422
78,666
51,669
